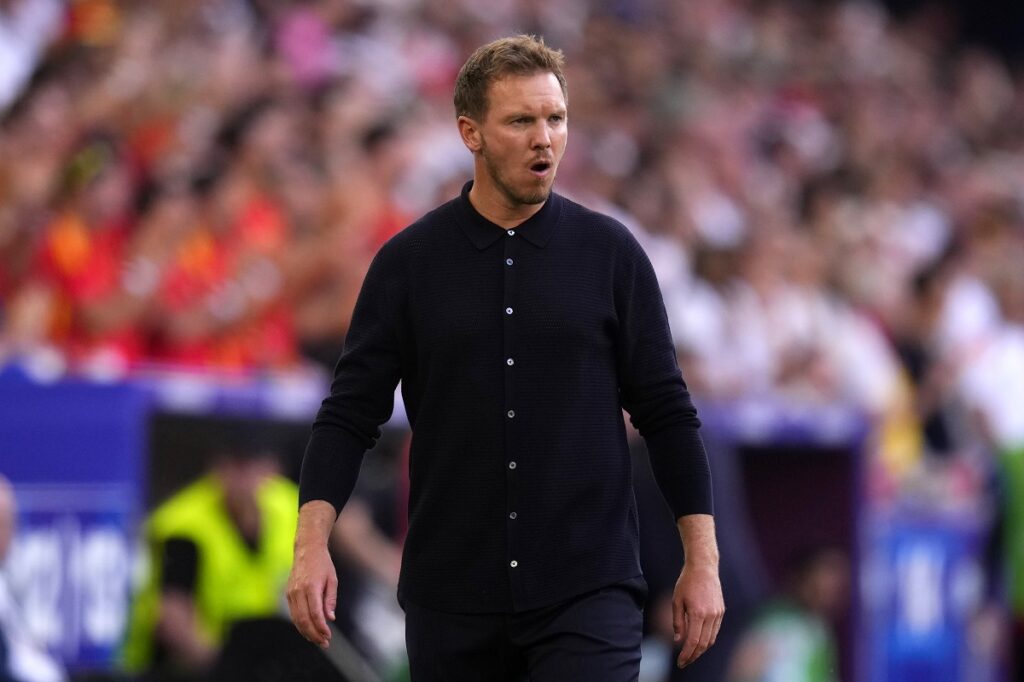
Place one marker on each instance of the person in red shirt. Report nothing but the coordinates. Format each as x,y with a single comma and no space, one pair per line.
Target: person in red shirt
93,300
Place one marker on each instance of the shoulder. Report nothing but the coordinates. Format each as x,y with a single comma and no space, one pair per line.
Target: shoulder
200,491
425,231
594,226
187,508
280,493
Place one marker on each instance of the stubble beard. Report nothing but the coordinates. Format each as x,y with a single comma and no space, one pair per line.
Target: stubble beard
533,198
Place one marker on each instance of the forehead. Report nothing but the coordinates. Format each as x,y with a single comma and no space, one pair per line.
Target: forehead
512,91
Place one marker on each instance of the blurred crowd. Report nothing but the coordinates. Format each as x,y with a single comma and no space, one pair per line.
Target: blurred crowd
832,199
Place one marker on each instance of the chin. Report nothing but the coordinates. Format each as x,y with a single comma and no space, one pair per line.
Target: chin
538,197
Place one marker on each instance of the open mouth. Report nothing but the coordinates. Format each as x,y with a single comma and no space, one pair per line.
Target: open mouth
540,167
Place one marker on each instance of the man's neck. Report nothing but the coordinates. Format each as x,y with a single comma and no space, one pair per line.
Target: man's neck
493,205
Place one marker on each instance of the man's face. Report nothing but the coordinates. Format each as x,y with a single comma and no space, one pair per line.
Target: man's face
523,134
241,478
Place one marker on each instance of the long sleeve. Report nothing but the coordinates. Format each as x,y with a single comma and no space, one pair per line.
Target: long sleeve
362,391
652,389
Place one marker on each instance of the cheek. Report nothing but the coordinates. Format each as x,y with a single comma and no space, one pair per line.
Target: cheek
558,142
508,147
502,156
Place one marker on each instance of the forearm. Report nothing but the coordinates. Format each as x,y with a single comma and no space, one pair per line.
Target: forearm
330,466
680,467
697,532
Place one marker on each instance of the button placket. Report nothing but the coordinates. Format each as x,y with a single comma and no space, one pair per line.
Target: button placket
511,258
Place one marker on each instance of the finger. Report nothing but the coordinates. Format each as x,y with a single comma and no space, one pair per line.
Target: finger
300,614
704,642
321,634
331,597
716,628
691,649
678,620
694,626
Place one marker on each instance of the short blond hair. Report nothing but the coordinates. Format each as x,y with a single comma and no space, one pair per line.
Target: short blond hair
521,55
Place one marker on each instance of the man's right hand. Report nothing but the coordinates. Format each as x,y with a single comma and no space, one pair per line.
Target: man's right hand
313,583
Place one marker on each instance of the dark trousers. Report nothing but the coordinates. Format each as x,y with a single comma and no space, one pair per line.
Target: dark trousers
594,637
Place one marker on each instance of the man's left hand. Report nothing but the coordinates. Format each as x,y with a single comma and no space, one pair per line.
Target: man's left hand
697,611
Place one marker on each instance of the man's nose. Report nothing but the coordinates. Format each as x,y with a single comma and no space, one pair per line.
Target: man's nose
541,136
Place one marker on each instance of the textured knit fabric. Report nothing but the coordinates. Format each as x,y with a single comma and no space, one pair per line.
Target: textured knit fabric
517,351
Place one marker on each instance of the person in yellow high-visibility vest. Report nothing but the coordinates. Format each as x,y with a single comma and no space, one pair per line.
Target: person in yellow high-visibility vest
219,551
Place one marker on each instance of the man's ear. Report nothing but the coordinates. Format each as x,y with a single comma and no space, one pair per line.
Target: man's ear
470,133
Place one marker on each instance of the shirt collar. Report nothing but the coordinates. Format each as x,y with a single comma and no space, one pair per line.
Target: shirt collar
537,229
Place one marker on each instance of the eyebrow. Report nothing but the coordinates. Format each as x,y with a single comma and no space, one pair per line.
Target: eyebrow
522,114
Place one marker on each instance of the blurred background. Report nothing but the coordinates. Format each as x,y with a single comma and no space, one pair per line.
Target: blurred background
832,194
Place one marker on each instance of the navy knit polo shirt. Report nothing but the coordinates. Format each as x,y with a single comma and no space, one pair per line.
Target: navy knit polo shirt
517,351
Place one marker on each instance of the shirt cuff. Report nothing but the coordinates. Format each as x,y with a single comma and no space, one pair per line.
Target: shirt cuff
680,466
330,466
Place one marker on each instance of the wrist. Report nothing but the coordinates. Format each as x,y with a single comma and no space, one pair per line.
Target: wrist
316,519
700,549
702,563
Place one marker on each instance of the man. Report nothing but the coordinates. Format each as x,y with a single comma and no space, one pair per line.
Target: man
791,639
520,324
219,552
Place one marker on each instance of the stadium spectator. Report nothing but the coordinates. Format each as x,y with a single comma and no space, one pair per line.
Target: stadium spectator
792,639
22,658
741,143
219,552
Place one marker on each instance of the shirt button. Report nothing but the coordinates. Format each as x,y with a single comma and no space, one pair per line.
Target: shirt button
510,362
511,233
511,465
508,311
512,516
508,261
511,413
513,563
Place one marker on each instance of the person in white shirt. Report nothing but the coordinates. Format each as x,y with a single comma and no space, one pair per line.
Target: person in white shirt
22,659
